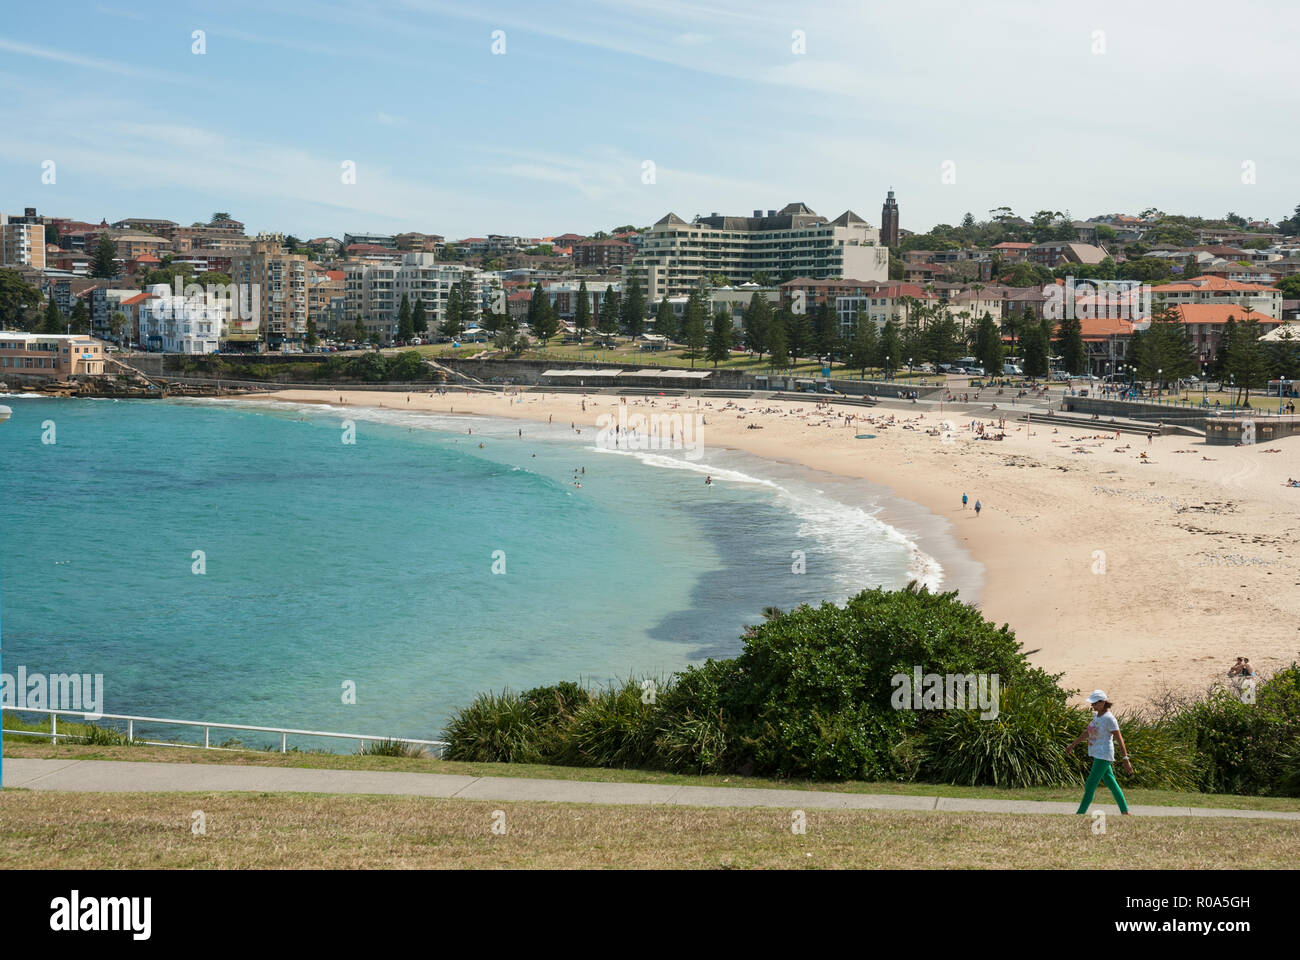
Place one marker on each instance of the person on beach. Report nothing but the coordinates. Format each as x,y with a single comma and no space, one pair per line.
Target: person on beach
963,501
1237,669
978,507
1101,748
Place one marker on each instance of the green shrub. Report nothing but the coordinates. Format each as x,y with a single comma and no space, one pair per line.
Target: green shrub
390,748
691,734
1243,747
493,729
1163,757
615,728
1024,746
811,691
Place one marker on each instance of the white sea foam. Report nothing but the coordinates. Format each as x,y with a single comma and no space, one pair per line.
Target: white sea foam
849,532
865,547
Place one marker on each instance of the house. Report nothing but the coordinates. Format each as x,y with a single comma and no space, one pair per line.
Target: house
1055,252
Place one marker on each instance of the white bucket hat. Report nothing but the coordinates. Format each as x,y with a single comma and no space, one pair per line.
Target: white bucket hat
1097,696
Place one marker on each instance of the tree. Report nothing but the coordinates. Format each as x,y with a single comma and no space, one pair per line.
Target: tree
469,307
891,346
116,324
798,333
312,338
105,252
693,331
52,322
582,311
1074,355
1164,350
80,317
720,337
1034,346
632,309
405,324
18,300
359,330
608,321
755,321
218,217
419,319
666,320
864,346
988,345
452,320
1248,362
542,318
825,330
777,342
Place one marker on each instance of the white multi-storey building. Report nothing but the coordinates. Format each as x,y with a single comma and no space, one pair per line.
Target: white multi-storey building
179,324
374,291
793,242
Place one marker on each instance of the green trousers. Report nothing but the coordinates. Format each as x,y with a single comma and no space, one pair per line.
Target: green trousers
1102,772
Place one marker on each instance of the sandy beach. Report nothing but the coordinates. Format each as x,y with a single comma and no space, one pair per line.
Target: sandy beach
1121,573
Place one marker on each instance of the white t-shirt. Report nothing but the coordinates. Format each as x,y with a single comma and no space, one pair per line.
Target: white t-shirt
1100,744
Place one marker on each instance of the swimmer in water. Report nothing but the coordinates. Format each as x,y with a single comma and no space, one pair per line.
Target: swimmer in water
708,481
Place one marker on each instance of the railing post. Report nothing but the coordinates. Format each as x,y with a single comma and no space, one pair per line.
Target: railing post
283,740
54,729
207,743
130,731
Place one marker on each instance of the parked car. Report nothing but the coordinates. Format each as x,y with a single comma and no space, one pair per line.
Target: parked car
417,342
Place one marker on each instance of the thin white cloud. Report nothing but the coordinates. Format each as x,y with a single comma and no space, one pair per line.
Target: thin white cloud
89,63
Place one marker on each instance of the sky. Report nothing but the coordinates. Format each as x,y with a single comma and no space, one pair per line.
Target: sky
536,118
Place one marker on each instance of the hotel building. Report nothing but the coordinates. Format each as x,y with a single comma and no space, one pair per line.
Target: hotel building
793,242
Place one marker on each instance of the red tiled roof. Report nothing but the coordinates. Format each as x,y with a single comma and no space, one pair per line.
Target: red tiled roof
1215,313
1209,283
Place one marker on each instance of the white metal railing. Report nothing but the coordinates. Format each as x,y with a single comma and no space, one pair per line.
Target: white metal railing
208,727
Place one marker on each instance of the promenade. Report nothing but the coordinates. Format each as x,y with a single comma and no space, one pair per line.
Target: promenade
119,776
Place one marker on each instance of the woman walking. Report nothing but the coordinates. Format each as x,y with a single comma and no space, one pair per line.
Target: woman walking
1100,747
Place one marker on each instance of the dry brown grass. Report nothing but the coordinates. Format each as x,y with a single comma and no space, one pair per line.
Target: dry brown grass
149,830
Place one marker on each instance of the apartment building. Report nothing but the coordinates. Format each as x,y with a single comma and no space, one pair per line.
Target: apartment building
1205,323
1264,300
880,302
22,244
371,239
49,355
145,225
276,285
564,296
603,253
374,291
104,302
323,288
794,242
168,323
419,242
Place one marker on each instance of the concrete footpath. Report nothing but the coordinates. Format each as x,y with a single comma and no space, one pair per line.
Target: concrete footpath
120,776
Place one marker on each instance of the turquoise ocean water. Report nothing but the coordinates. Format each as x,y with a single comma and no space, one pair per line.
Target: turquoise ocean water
373,562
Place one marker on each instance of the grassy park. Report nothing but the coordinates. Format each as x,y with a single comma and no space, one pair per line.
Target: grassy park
308,831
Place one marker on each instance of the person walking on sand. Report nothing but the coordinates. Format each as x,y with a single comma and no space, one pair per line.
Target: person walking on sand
978,507
963,501
1101,748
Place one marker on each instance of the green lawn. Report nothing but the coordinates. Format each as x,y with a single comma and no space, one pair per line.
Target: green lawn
626,354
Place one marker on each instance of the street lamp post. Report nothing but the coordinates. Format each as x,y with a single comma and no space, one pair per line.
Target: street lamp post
1160,382
886,368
